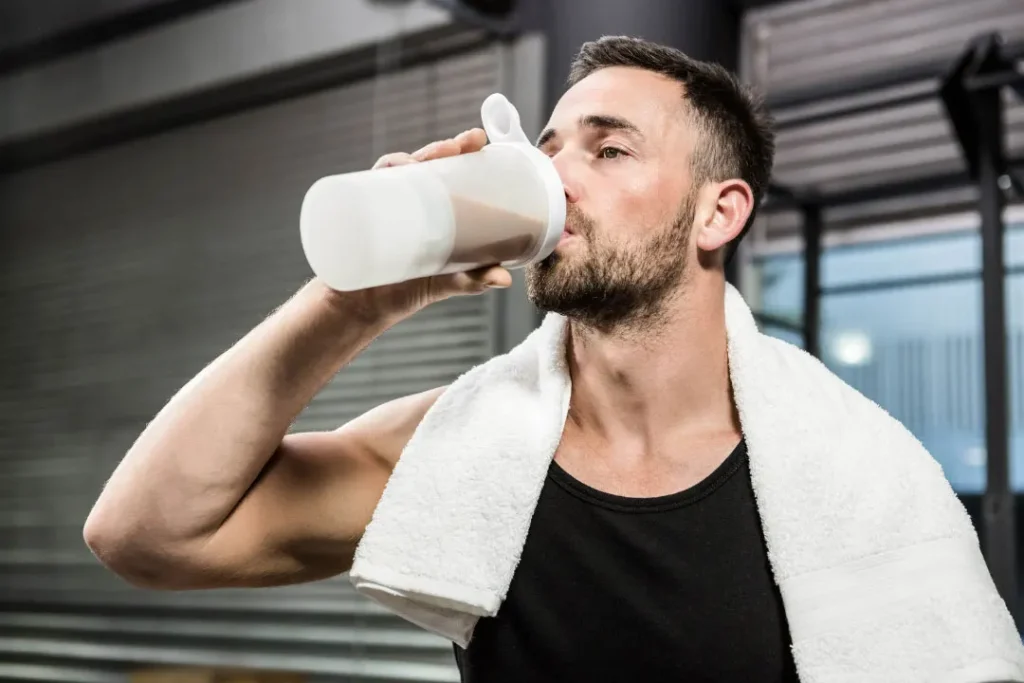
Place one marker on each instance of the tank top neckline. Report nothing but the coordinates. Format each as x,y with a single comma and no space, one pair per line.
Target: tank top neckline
669,501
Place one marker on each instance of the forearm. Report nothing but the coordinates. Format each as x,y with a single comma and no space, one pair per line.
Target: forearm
200,454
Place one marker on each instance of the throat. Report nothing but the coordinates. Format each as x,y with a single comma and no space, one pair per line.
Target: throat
629,472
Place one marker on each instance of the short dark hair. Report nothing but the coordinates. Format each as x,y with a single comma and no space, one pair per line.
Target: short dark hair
737,132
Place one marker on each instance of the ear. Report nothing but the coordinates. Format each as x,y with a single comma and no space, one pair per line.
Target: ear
731,202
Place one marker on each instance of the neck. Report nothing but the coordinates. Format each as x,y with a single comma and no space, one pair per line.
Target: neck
643,392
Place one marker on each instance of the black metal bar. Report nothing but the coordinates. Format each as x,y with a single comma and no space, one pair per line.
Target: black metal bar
907,282
897,283
893,190
1016,180
995,81
888,190
779,197
877,192
998,502
782,192
812,277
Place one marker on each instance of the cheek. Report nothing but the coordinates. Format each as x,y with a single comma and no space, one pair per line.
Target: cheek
644,203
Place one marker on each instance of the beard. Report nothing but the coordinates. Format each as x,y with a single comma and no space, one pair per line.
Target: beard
608,287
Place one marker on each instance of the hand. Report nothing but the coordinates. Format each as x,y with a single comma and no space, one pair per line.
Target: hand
406,298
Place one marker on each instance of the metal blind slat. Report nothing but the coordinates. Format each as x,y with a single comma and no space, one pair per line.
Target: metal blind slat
130,268
799,46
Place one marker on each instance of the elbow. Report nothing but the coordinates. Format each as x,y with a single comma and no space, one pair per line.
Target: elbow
134,555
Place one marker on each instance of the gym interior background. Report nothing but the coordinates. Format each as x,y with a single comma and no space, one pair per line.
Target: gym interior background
153,156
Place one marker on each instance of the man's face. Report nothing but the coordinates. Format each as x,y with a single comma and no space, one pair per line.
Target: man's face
622,144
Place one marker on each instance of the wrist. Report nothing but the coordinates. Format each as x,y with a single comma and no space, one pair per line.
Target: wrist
361,307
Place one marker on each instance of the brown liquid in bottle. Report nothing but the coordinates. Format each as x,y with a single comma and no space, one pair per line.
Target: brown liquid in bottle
487,235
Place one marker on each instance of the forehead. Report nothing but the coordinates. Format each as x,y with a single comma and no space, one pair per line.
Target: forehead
652,102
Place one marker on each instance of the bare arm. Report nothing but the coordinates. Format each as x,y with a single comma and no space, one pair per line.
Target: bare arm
213,492
303,519
216,457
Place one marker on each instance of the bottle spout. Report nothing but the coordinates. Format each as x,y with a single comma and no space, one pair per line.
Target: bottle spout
501,120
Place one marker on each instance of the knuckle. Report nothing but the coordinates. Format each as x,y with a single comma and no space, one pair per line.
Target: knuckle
436,149
393,159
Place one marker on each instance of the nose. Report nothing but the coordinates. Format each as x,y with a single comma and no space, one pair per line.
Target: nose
570,181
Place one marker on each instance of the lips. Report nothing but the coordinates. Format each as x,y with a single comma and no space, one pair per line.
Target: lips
577,223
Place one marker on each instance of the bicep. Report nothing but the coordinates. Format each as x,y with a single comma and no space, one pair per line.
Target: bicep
303,517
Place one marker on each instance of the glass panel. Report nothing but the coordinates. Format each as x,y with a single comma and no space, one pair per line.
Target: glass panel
917,352
912,258
1014,245
782,286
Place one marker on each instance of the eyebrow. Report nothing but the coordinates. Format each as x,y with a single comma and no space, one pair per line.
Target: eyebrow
599,121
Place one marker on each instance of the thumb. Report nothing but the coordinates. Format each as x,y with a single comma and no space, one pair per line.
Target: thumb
473,281
490,277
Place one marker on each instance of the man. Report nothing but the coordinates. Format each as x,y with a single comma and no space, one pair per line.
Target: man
645,558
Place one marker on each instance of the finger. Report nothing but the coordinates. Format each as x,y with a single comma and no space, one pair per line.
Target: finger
472,282
437,150
472,140
482,279
394,159
493,276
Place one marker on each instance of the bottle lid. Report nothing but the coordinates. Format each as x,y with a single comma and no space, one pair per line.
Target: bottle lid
501,123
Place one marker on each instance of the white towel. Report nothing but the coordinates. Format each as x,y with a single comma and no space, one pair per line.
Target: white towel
879,567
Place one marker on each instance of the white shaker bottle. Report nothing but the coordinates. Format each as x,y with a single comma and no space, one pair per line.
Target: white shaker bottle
502,205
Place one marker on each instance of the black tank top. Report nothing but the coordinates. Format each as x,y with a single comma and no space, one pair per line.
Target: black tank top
609,588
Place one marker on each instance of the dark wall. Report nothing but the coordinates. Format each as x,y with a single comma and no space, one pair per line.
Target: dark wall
705,29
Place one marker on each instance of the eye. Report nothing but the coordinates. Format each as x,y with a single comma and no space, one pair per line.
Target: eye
610,153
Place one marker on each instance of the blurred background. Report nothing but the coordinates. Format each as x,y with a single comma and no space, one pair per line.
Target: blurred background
153,158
